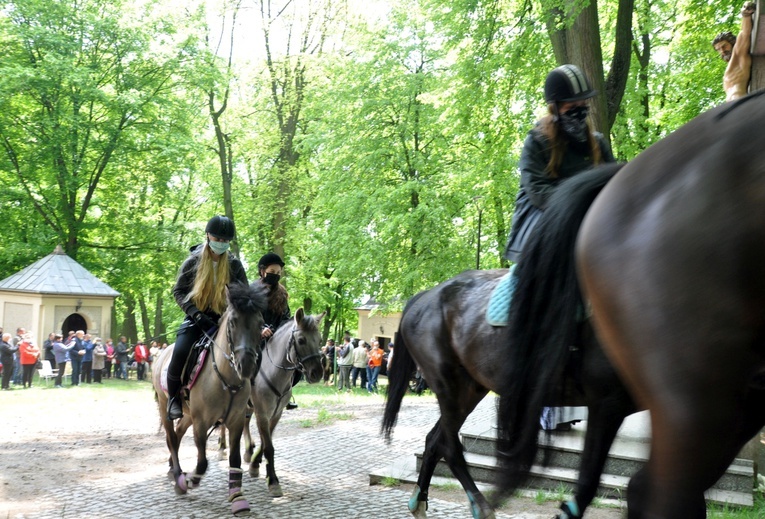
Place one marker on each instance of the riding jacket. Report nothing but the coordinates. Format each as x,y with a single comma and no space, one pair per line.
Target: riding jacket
185,281
537,185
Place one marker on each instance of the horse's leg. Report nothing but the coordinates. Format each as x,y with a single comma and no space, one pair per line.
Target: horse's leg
200,440
603,422
173,442
456,403
238,502
222,442
266,427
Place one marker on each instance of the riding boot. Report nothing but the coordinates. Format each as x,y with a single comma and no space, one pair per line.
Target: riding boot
174,403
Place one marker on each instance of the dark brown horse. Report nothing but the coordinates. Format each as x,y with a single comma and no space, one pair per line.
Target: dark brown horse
444,331
221,390
671,258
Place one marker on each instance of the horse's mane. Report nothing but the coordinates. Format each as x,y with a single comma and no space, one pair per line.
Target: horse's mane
543,321
248,299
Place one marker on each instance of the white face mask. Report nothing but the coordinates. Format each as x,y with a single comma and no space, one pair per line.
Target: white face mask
218,247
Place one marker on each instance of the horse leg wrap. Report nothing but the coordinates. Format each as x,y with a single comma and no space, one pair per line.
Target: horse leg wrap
235,497
570,510
417,497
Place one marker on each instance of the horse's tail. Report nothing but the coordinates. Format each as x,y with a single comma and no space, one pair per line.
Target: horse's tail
543,319
401,370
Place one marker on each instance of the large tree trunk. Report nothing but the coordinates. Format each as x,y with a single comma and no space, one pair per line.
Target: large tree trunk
129,325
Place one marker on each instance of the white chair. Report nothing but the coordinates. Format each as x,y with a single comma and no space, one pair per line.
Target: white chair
47,372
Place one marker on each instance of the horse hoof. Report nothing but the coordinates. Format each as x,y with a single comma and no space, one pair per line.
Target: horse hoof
419,512
275,490
181,487
240,506
254,471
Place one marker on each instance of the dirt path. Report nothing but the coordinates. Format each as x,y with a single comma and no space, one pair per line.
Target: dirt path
96,452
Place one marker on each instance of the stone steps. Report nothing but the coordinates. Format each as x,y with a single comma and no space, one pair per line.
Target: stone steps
627,455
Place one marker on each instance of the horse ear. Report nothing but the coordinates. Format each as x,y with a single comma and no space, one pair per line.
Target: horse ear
319,317
299,315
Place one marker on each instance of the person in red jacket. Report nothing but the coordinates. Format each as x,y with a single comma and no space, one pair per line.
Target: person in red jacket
29,353
141,356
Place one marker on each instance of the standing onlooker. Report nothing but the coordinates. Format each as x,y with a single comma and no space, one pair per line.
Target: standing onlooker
16,367
109,361
28,353
359,365
153,352
87,360
141,356
76,354
329,360
390,359
7,349
49,355
121,356
344,364
99,359
373,366
61,351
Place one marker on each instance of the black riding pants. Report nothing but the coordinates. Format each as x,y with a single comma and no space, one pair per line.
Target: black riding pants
188,334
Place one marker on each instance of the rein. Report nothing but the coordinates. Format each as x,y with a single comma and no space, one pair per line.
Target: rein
296,365
232,389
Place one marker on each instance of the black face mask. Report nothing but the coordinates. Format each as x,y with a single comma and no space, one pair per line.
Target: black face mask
271,279
574,124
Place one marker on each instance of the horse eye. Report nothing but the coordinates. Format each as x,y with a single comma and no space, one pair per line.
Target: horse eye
301,340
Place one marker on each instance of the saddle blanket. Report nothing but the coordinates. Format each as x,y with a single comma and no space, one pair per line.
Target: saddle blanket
499,302
195,370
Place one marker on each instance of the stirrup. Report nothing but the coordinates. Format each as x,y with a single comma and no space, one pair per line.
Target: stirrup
174,408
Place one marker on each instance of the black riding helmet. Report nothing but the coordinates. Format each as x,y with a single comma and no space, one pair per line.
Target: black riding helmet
270,259
567,83
221,227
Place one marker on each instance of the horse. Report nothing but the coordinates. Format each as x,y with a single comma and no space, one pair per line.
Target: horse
220,392
294,347
670,258
444,332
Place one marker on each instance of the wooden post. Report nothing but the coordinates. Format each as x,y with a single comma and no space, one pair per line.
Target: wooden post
757,81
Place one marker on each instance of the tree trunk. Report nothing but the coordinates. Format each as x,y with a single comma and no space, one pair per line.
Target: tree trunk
144,316
159,327
575,37
129,326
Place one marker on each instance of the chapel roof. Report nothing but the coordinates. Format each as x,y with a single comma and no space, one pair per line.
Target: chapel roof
57,274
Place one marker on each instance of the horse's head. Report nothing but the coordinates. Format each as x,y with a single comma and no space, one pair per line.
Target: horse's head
243,323
305,345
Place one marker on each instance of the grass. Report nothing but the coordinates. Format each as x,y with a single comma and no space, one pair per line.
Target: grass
388,481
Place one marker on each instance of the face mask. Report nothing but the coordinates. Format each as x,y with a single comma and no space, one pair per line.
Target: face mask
574,124
271,279
218,247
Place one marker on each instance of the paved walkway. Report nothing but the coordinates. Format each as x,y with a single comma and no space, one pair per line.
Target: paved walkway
324,473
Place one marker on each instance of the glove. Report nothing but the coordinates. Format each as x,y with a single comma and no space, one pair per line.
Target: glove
204,322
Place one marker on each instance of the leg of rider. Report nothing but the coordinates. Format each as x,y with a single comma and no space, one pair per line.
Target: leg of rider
187,335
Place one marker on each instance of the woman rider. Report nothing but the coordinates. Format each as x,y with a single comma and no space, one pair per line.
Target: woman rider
270,271
201,293
561,145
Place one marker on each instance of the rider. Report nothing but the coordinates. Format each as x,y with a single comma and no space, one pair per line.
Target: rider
270,268
560,145
201,293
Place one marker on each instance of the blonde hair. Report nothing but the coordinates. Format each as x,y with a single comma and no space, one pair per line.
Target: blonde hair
550,129
208,292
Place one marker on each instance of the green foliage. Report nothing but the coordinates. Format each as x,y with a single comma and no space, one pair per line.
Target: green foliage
365,151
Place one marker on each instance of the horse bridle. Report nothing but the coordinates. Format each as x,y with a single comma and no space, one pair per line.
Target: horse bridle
298,364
